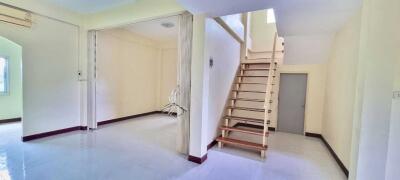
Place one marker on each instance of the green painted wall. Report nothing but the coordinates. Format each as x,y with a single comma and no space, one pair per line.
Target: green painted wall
11,104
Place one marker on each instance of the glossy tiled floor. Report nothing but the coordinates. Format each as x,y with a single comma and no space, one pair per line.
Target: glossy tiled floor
143,148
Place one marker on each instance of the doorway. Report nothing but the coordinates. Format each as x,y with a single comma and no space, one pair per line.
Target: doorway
292,101
134,69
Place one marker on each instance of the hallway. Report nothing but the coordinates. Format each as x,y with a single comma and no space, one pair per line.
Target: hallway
132,149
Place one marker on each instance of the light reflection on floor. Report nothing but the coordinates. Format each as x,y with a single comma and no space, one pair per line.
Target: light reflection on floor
144,148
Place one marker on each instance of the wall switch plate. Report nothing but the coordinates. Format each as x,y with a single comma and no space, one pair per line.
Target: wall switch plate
396,94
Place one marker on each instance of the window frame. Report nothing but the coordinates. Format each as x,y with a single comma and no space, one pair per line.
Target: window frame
6,91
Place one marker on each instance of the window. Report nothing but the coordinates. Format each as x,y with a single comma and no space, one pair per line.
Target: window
3,76
270,16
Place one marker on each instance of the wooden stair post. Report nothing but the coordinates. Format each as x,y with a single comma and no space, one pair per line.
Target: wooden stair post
268,97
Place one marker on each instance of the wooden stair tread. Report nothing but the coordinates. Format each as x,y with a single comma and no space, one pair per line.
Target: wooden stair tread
257,62
252,100
245,99
243,130
244,119
253,76
249,91
246,108
256,69
246,144
261,58
280,51
250,83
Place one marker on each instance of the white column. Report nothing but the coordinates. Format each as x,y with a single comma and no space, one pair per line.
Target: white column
199,91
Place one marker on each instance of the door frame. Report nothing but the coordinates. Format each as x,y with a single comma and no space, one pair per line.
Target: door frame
307,73
184,59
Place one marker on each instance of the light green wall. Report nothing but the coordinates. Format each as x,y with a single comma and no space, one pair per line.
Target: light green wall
11,104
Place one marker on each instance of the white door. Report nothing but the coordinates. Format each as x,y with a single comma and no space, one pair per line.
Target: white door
292,99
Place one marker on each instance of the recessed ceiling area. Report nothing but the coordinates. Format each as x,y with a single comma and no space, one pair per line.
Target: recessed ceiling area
89,6
156,29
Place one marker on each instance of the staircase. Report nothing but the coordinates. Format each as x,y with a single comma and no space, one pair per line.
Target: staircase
250,106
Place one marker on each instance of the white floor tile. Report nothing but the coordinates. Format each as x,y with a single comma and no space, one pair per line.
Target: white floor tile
144,148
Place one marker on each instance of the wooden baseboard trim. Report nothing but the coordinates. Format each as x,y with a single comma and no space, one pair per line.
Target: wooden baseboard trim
126,118
3,121
338,161
197,159
212,144
52,133
253,126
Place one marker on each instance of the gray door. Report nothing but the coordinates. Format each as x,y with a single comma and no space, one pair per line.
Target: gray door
292,100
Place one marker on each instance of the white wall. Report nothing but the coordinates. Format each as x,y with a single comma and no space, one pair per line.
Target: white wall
379,50
51,96
393,157
134,74
262,34
308,49
340,89
225,51
126,75
168,73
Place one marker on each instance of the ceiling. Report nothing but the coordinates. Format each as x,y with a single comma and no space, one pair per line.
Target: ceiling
294,17
153,29
89,6
308,26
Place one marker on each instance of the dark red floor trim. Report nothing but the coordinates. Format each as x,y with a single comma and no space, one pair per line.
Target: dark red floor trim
338,161
51,133
61,131
126,118
3,121
212,144
197,159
